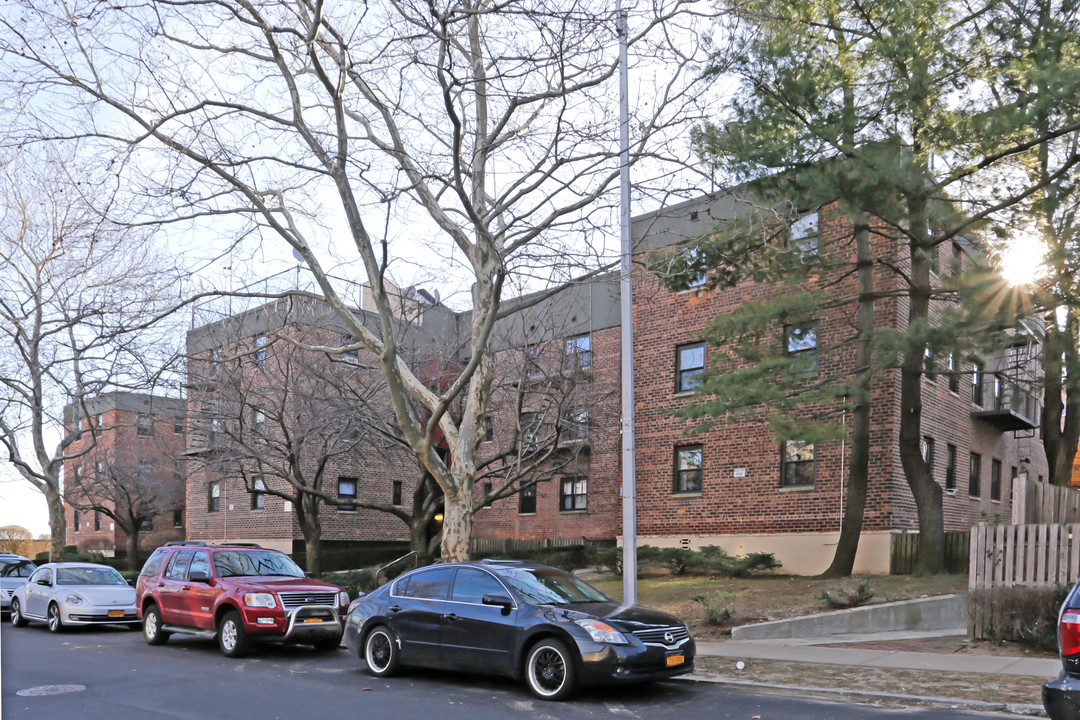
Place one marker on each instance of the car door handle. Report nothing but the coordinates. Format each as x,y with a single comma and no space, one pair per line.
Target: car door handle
394,608
186,587
450,618
161,584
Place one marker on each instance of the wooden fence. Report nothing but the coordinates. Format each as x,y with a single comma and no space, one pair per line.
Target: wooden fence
1033,555
905,547
492,545
1041,502
1044,555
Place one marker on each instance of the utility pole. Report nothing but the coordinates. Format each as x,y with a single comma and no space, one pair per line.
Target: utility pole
626,306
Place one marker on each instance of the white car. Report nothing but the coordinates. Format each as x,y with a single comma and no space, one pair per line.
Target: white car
70,593
14,569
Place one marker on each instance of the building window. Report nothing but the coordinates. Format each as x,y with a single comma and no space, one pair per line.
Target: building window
578,355
801,345
977,383
995,480
487,495
954,375
489,429
258,422
98,420
533,371
928,364
260,351
144,426
77,521
575,426
346,490
697,274
573,494
350,355
926,448
527,501
688,469
950,468
97,521
146,523
178,426
999,392
797,464
215,438
213,497
395,494
974,475
689,366
530,427
957,264
804,238
178,518
258,494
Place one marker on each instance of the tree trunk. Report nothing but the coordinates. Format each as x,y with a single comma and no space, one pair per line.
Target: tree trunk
927,493
133,548
457,526
847,547
57,522
1061,359
307,516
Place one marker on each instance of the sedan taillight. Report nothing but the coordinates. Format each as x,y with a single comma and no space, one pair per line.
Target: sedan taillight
1069,632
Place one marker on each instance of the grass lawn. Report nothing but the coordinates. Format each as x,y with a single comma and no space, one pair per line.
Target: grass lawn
769,597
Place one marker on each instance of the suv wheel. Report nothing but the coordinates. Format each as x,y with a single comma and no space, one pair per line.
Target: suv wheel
17,618
232,638
151,626
549,670
381,652
53,619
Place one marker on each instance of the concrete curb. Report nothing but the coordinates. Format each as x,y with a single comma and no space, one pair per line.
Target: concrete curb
870,696
942,612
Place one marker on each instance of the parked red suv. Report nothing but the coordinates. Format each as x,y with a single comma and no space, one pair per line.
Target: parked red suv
238,594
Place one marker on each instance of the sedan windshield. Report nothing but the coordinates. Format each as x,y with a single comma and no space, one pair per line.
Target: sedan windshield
89,576
548,586
255,562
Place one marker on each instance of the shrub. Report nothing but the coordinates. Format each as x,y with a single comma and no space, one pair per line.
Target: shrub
709,560
355,581
353,558
847,598
610,559
1020,614
715,612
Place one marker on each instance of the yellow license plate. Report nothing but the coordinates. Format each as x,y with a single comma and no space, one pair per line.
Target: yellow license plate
318,620
674,660
116,613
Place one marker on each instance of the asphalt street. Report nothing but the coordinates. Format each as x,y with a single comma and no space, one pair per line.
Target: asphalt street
189,679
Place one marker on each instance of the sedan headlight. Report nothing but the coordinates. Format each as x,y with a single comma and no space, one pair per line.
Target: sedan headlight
601,632
73,599
343,598
264,600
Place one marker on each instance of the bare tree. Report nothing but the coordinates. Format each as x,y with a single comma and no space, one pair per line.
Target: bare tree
15,539
129,489
490,130
75,291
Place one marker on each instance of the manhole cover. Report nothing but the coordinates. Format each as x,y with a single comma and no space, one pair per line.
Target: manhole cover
50,690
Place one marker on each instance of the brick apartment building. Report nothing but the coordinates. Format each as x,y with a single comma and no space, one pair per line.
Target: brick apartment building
734,486
135,464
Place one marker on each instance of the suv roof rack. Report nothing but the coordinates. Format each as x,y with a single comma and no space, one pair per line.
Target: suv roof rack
242,544
172,543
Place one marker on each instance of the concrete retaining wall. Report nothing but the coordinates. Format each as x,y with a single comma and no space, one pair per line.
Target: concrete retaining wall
945,612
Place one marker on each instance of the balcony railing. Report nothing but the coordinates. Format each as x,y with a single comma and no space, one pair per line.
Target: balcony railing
1010,406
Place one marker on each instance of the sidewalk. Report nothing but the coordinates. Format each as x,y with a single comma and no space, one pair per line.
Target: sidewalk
986,683
809,650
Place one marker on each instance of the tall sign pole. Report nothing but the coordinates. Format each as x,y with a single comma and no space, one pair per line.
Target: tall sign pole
626,306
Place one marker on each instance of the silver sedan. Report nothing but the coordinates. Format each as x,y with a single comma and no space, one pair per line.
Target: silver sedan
64,594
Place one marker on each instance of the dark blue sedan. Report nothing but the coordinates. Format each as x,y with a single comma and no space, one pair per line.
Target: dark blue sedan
520,619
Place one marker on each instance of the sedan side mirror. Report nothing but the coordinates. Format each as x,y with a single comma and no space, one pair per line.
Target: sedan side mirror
499,601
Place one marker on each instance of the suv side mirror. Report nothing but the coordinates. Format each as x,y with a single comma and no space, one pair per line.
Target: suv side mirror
199,576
